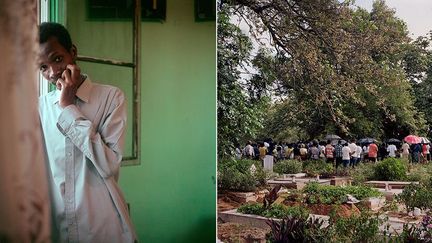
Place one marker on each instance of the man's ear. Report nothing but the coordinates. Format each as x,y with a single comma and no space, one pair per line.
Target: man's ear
73,51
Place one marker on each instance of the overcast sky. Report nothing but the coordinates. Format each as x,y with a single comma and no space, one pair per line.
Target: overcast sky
416,13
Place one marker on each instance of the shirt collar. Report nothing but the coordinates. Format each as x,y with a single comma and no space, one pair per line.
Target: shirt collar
83,92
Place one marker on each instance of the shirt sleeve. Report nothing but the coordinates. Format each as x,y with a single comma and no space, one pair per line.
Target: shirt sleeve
103,147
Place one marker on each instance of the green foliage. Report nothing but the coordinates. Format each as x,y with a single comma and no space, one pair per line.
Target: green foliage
239,114
410,234
362,173
390,169
316,193
236,175
274,211
288,167
295,229
318,167
326,78
416,195
417,233
252,208
420,172
357,228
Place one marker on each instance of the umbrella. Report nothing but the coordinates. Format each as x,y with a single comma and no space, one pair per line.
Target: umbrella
332,137
366,140
424,140
412,139
334,142
393,140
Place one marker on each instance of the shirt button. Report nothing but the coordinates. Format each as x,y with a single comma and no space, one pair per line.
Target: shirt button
69,154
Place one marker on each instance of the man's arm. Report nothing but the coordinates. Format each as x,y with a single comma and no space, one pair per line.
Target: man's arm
103,147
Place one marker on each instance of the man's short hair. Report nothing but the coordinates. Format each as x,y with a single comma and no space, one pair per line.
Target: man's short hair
49,29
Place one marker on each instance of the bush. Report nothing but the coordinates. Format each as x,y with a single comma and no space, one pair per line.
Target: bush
416,195
288,167
390,169
295,229
274,211
420,172
236,175
318,167
362,173
316,193
357,228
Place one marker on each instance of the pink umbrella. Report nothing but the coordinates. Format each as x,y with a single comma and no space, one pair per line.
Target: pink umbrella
413,139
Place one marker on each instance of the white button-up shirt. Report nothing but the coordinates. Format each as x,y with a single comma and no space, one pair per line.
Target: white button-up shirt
84,144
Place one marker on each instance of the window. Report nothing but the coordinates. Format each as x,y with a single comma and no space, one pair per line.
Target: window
113,10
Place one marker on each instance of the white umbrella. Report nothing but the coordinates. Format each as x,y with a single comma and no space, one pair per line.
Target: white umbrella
424,140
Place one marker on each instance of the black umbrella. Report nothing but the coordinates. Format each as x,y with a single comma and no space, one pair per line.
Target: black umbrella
366,140
393,140
332,137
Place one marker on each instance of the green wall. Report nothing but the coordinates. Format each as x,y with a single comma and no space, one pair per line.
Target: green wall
172,193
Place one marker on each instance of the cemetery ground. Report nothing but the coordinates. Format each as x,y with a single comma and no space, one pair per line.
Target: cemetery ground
385,201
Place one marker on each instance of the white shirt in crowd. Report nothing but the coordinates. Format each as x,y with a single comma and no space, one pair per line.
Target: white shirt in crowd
405,148
359,151
346,153
353,148
391,149
248,150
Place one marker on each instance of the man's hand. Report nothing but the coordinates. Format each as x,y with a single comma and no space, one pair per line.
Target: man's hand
69,83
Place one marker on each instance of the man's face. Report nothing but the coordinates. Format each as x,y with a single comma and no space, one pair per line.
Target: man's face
53,59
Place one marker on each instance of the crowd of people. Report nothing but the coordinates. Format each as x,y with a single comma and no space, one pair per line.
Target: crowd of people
339,152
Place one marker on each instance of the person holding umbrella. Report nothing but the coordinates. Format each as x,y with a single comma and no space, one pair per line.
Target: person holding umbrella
405,150
415,147
373,152
391,150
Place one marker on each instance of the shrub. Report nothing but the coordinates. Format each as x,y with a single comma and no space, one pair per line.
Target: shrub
236,175
318,167
274,211
357,228
362,173
416,195
316,193
417,233
232,179
390,169
419,172
294,229
288,167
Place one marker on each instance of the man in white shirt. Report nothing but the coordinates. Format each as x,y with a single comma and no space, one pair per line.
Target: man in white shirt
83,124
248,150
346,155
365,153
391,150
359,151
353,148
405,150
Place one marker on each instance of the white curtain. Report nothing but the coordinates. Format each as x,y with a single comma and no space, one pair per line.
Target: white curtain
24,199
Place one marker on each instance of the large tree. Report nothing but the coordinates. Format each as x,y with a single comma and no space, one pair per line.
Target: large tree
241,101
341,68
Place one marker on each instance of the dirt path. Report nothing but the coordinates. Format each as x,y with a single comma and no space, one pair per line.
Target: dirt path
232,232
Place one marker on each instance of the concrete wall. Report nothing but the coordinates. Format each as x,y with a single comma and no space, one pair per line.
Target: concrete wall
172,193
